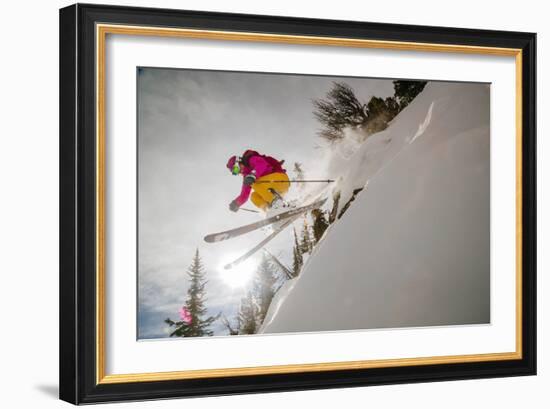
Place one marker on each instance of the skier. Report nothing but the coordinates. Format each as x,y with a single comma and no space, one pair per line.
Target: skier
262,174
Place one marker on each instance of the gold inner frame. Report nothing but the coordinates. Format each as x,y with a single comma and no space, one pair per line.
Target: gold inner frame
101,33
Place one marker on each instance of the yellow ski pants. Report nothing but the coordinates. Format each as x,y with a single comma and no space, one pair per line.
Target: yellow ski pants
262,196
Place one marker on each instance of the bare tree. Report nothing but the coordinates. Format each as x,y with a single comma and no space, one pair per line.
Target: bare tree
340,109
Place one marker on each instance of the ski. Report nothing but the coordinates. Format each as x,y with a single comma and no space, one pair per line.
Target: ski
229,234
288,221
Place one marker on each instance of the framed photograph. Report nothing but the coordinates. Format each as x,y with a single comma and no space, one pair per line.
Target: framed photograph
257,203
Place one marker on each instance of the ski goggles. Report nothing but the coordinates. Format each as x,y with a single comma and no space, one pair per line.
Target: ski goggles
236,169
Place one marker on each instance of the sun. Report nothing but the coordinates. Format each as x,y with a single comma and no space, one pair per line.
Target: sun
238,276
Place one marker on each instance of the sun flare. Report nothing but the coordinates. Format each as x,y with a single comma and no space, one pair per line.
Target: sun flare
237,276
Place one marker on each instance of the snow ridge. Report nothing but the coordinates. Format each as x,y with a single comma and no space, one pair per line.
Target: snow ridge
413,249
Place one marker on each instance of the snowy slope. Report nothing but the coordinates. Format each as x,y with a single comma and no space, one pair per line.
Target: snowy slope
413,249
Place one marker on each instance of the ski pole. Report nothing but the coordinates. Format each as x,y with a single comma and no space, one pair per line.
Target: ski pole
297,181
249,210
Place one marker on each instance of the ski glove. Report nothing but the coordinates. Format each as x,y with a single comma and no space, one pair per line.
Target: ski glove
249,179
233,206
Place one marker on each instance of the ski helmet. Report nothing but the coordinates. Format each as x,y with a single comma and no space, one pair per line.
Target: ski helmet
233,165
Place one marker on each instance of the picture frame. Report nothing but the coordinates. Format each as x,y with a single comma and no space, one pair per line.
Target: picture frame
83,180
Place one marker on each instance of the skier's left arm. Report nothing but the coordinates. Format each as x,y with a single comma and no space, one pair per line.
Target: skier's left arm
241,199
245,194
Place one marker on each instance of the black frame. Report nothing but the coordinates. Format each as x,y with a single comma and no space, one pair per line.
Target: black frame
77,204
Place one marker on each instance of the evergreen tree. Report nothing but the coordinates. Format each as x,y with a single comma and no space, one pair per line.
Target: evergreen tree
299,171
381,112
231,330
248,314
406,91
264,286
256,302
281,267
306,243
320,224
297,259
334,211
199,324
300,175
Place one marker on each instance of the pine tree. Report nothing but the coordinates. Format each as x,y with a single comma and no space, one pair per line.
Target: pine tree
320,224
334,211
381,112
299,171
306,243
256,302
287,273
199,324
264,285
297,259
406,91
299,174
231,330
248,315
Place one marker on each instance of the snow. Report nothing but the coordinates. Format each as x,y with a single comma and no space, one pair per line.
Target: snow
413,249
